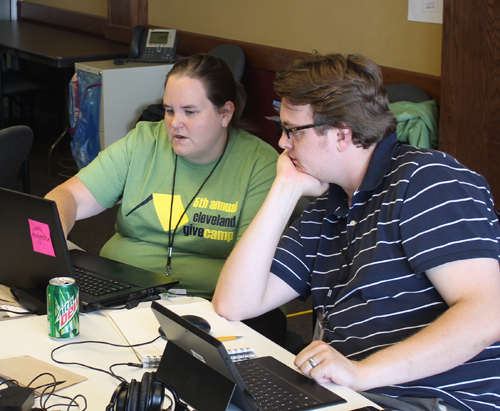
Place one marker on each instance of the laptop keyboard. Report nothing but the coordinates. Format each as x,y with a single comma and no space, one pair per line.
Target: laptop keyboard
96,286
272,392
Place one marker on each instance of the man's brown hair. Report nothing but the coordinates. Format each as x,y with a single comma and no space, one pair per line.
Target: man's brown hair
345,91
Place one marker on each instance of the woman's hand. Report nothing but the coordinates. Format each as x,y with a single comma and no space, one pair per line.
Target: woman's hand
320,362
309,185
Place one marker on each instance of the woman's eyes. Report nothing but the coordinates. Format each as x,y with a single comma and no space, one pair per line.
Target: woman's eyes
170,112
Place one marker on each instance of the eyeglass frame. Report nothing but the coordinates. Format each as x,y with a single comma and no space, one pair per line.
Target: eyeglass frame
294,129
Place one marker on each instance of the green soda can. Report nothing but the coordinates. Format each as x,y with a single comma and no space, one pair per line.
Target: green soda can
63,308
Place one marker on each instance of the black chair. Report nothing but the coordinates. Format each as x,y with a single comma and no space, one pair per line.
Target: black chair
233,55
20,88
15,145
406,92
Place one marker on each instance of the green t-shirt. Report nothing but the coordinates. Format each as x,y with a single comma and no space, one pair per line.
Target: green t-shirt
138,170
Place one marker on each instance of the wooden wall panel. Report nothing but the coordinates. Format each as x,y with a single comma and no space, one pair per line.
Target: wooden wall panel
124,14
470,94
258,56
90,24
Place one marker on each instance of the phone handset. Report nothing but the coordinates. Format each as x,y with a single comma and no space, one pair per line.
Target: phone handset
137,43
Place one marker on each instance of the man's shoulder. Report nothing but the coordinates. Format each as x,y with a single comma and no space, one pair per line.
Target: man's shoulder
406,152
411,160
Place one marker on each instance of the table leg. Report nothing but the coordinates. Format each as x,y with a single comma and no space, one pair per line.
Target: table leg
66,77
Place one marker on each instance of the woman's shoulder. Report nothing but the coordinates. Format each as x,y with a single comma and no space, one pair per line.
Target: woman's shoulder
248,143
146,136
148,130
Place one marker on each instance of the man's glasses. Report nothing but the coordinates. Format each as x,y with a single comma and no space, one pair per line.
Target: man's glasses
288,131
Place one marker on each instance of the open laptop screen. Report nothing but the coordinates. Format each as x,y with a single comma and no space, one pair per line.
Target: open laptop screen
200,369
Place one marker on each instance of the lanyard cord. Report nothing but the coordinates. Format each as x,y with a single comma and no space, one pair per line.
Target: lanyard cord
171,235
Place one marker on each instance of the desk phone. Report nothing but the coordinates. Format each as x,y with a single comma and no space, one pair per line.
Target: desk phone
153,45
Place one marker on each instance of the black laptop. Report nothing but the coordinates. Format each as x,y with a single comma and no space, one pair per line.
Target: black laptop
33,250
198,367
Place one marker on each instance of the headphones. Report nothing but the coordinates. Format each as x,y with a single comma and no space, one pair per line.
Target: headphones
146,395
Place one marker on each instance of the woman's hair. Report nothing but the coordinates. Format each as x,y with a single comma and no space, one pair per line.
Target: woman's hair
220,84
343,91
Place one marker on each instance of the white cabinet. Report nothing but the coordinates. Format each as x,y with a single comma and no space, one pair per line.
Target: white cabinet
126,91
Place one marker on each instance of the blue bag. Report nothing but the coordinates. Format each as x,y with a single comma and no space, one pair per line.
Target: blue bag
84,116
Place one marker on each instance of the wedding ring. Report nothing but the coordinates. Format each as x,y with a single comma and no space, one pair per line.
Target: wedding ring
312,362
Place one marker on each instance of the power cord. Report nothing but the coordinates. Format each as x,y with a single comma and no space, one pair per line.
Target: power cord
48,391
129,305
177,403
110,372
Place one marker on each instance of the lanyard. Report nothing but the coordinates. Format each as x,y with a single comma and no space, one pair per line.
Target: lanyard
171,236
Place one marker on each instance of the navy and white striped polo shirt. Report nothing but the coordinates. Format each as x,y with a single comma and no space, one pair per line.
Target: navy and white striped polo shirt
416,209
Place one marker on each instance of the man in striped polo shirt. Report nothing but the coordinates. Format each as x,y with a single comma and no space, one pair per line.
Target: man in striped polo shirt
400,256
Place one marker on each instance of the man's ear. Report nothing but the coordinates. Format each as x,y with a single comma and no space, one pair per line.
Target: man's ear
344,138
227,111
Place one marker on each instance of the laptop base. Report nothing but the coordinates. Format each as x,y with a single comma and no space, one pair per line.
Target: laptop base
31,298
35,300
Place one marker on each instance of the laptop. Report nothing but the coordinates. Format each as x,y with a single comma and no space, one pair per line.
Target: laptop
33,250
198,367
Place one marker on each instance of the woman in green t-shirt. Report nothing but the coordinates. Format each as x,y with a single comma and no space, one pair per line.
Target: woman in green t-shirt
187,186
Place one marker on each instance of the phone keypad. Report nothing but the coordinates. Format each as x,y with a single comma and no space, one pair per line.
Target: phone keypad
158,54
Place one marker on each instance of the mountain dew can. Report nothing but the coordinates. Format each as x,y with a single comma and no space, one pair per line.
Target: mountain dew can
63,308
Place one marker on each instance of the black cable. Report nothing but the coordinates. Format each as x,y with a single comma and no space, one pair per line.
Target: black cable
44,392
72,402
55,383
129,305
41,375
128,364
9,383
111,373
47,387
52,386
172,404
177,403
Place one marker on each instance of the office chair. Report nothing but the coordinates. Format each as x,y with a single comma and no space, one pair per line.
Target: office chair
17,86
233,55
406,92
15,145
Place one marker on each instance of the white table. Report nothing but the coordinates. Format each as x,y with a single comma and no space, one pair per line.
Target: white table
28,336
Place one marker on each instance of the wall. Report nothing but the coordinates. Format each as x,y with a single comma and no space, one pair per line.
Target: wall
377,29
408,52
95,7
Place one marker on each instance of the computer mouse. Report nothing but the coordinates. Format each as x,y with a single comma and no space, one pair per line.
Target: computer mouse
201,323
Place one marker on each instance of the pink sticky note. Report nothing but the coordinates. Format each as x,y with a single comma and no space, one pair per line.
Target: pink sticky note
40,236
